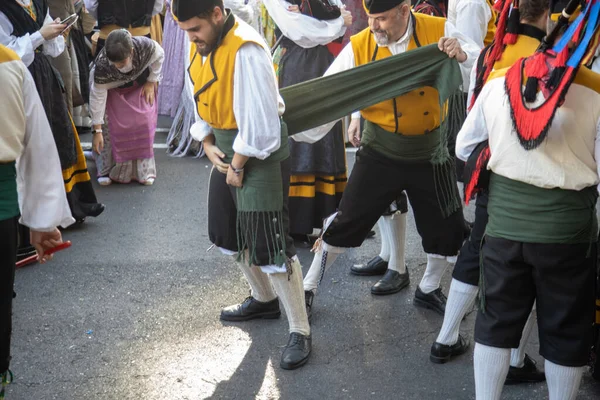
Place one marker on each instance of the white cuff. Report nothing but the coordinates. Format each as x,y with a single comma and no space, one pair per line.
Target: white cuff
200,130
243,149
356,115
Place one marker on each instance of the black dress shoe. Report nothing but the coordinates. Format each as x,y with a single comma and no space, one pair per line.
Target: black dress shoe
435,300
528,373
392,282
251,309
370,234
296,352
442,353
309,296
374,267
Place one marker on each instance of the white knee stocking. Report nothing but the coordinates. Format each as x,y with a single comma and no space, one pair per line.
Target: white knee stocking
291,294
461,299
491,367
563,382
396,231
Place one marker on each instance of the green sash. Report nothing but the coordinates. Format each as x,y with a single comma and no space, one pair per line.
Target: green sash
322,100
260,200
9,199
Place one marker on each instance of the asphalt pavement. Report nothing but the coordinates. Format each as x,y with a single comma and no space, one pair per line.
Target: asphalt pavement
131,311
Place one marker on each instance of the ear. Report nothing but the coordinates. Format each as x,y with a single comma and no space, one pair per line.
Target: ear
217,15
404,10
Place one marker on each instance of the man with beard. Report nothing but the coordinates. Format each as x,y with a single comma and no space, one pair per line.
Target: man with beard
245,139
402,149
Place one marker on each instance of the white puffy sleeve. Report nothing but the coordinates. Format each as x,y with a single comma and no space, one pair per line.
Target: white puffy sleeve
256,103
42,197
303,30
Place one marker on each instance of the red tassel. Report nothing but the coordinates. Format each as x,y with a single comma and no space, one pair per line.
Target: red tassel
483,158
536,66
499,5
510,38
531,124
561,58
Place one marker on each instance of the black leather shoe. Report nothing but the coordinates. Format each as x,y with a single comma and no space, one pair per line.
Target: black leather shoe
309,296
251,309
528,373
296,352
442,353
435,300
374,267
392,282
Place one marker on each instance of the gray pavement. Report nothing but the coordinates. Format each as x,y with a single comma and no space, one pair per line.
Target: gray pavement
131,312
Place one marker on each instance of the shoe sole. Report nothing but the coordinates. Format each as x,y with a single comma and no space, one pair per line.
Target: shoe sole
368,273
270,315
439,360
423,304
393,291
290,367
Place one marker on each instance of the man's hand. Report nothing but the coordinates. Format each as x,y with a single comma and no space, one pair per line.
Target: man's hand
347,15
148,91
52,30
44,241
98,143
451,46
234,179
216,157
354,132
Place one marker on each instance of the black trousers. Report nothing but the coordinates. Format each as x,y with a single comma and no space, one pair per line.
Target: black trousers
222,217
559,277
467,269
374,183
8,259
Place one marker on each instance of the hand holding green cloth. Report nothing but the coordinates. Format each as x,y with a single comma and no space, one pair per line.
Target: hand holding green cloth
316,102
319,101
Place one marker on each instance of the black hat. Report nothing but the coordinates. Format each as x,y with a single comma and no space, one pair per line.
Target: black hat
379,6
187,9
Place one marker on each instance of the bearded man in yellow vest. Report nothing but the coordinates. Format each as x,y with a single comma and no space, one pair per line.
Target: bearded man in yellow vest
244,137
398,146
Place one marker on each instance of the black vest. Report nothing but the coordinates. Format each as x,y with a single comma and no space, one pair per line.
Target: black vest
124,13
21,21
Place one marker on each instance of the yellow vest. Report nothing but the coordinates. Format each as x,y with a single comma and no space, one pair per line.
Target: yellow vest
491,28
416,112
213,77
523,47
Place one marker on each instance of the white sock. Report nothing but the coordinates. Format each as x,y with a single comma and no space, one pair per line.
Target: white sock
321,262
291,294
563,382
517,356
491,367
260,285
384,253
436,267
396,228
461,299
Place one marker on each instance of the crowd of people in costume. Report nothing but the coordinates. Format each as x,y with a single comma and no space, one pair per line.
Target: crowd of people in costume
503,96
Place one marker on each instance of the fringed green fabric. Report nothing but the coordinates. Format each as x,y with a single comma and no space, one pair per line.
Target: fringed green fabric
319,101
259,201
316,102
6,378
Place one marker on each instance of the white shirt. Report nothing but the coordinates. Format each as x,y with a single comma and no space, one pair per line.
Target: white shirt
567,157
305,31
92,7
345,61
99,93
42,198
257,104
471,18
25,46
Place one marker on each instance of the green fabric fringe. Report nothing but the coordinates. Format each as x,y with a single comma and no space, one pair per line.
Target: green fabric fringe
259,201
